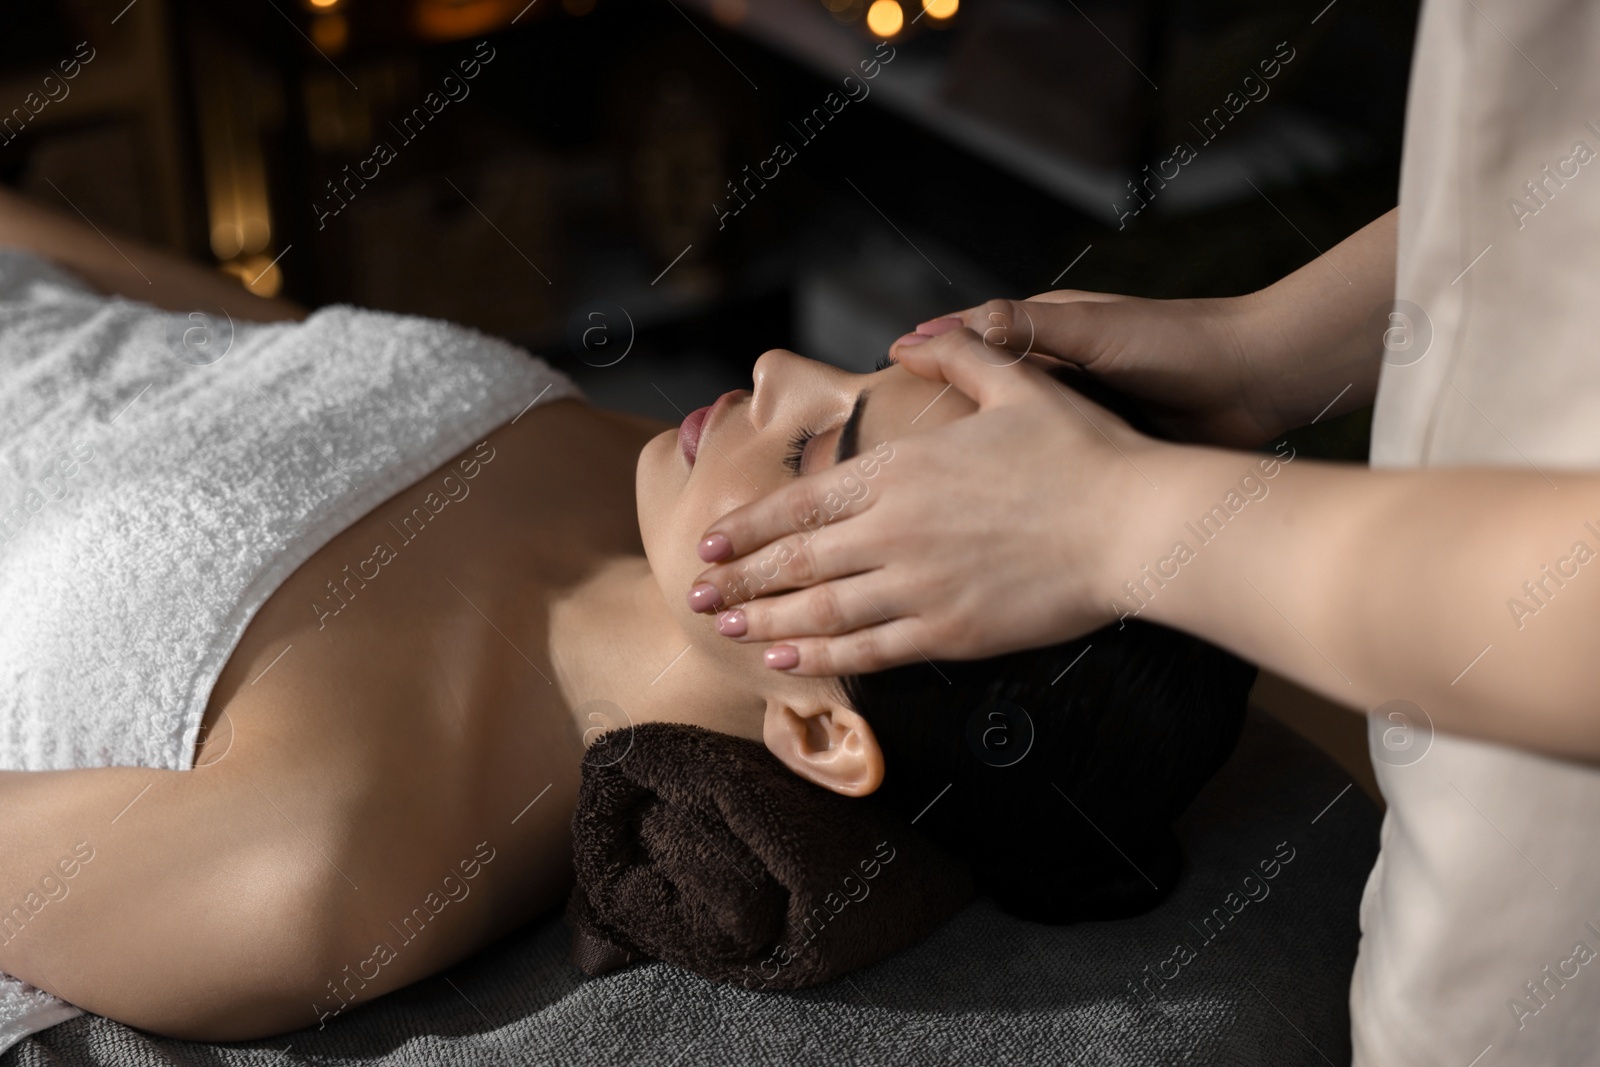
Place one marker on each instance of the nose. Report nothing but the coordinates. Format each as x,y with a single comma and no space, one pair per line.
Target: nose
772,370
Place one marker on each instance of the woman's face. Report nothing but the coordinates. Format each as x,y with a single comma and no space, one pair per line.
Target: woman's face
797,420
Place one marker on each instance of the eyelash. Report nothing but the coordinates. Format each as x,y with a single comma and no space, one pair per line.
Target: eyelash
797,444
797,450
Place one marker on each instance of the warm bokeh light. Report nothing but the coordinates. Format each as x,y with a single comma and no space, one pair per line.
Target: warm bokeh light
241,225
259,274
330,33
323,4
885,18
940,9
451,20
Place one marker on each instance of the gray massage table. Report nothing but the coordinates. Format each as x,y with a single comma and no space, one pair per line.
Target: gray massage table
1264,984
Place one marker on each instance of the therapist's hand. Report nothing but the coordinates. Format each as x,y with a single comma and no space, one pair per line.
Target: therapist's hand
986,535
1236,371
1203,370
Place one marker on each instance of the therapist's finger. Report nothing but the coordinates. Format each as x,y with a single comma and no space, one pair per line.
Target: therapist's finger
987,374
834,607
791,562
1065,325
876,648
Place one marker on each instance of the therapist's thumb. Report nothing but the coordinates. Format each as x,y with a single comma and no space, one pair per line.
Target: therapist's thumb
984,372
1067,324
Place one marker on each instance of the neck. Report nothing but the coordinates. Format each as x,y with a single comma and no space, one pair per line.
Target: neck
621,658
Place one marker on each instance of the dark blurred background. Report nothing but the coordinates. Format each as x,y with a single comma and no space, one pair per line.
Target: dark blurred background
574,195
650,193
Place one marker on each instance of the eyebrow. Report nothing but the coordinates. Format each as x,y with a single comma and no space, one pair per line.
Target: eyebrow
850,435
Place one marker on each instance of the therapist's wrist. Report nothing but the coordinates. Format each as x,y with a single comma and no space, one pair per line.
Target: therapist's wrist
1158,531
1310,346
1263,328
1105,538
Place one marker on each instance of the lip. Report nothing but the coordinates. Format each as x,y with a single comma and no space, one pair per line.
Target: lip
698,421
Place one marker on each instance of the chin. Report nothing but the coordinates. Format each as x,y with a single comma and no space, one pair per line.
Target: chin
659,481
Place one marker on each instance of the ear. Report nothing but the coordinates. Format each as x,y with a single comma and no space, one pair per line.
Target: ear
829,744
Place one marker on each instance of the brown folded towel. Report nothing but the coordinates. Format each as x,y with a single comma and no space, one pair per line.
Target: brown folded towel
702,849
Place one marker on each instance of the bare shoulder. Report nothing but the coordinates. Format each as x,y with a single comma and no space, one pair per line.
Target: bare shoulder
393,703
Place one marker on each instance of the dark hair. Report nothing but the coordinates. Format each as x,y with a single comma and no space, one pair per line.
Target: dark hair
1057,773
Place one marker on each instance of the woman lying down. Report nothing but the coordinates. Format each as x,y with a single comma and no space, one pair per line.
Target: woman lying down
303,618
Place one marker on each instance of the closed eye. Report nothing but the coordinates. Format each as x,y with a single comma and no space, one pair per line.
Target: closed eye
796,451
795,454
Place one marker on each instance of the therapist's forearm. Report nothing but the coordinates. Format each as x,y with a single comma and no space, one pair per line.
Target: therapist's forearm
1318,333
1369,586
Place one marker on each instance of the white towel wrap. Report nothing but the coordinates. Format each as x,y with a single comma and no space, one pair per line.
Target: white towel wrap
161,474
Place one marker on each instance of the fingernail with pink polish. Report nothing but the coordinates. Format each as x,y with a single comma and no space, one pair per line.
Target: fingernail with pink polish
704,597
716,547
934,327
731,623
909,339
782,657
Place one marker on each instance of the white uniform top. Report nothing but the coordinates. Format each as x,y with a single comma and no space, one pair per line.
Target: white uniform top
1481,921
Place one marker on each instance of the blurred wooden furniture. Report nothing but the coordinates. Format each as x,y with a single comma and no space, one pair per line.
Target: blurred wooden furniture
121,118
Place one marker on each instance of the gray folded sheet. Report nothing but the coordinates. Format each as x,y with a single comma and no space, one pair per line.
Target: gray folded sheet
1234,968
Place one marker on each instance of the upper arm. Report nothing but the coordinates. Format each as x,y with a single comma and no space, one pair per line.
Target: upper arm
122,266
176,901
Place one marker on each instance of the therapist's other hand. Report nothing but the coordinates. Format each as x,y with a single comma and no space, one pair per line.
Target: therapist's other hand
1202,370
982,536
